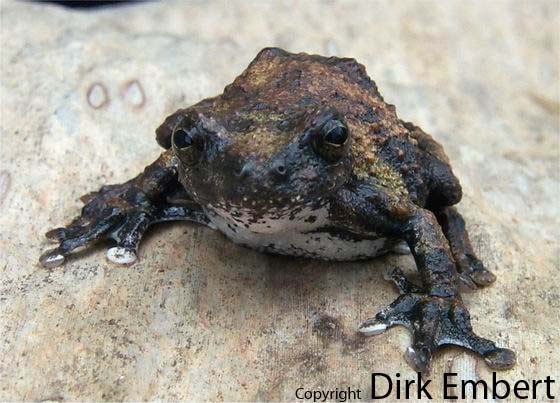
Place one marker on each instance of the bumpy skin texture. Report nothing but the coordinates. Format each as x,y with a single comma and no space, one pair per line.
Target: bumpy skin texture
301,156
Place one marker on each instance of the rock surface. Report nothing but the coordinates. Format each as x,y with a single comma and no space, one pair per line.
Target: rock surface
202,319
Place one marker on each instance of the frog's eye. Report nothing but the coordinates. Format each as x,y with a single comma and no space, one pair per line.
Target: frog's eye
182,139
331,140
335,133
188,144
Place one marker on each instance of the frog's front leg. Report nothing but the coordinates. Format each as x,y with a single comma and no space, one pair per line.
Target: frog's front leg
123,212
434,312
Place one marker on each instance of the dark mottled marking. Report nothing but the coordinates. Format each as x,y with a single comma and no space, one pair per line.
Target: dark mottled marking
312,362
311,219
327,327
369,115
343,234
261,106
239,124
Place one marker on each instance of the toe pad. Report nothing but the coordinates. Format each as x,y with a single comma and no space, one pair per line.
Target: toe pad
371,329
50,259
502,358
121,255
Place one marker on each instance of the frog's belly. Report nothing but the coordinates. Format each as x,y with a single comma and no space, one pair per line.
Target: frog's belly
316,240
318,245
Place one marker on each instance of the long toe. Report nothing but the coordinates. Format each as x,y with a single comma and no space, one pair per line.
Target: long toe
76,236
472,268
51,258
501,358
372,327
483,277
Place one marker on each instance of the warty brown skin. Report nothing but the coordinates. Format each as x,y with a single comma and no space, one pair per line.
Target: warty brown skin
296,133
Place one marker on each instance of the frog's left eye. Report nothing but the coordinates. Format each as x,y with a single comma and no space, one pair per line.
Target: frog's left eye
335,133
188,144
331,140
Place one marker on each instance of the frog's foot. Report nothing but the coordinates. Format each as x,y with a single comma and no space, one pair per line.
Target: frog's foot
472,273
118,212
434,322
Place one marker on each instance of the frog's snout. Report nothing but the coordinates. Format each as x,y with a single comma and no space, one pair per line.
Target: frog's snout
251,169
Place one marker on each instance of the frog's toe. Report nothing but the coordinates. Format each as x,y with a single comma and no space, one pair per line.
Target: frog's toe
128,236
51,258
501,358
398,313
57,234
79,236
419,357
372,327
401,282
473,269
74,230
483,277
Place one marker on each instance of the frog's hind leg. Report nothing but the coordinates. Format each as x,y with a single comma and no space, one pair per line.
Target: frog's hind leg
434,312
122,213
444,191
472,272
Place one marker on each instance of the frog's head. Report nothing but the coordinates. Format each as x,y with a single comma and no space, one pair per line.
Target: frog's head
279,136
258,169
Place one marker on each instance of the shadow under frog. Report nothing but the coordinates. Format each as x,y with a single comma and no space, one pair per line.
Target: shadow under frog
301,156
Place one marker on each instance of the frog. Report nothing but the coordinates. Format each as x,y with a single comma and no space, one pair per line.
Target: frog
301,156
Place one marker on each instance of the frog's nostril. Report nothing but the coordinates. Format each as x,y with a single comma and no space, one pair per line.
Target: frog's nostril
246,170
279,168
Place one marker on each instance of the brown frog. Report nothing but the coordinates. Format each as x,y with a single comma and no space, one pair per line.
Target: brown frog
301,156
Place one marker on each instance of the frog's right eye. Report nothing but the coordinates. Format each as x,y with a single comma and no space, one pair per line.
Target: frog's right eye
188,144
182,139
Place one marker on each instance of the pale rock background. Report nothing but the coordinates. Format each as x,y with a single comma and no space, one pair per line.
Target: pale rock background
202,319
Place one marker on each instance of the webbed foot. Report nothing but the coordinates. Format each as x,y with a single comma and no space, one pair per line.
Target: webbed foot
118,212
434,322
